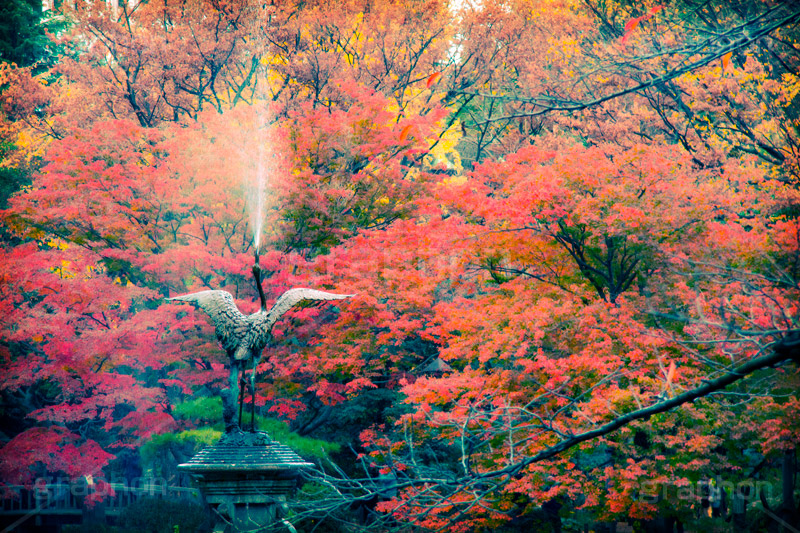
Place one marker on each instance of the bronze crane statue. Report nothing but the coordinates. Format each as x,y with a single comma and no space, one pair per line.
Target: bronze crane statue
244,336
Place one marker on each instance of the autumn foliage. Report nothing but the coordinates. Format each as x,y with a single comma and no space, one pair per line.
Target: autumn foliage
577,210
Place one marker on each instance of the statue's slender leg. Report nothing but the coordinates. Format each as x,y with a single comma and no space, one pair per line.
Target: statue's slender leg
242,384
230,396
253,396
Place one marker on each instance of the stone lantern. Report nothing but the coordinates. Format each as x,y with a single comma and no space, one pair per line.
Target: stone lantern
245,479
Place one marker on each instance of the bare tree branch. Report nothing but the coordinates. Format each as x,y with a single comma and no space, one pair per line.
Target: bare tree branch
711,49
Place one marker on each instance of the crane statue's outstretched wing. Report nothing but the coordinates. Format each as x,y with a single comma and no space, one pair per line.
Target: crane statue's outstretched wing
228,320
294,296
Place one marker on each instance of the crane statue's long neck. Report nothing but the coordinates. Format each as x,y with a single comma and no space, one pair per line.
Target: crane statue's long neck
257,275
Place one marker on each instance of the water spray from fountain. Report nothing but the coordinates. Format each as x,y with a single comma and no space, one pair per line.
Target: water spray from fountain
257,192
258,195
256,188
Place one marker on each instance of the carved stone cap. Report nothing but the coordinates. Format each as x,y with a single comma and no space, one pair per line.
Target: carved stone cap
245,452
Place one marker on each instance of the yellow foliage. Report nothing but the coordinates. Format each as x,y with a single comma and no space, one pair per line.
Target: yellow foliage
63,270
445,150
57,243
458,179
29,145
791,86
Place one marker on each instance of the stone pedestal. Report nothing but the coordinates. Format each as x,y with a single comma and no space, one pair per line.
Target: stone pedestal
245,479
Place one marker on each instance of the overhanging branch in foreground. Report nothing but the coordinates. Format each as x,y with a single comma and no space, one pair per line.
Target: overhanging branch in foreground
350,490
787,348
